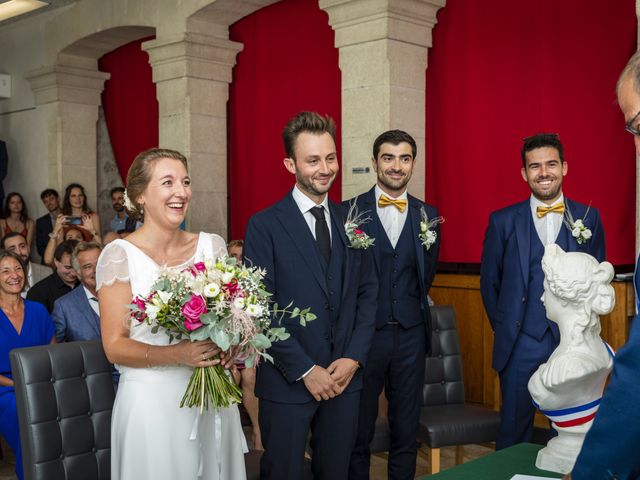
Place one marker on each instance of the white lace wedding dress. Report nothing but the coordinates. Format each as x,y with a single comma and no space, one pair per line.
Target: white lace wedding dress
151,436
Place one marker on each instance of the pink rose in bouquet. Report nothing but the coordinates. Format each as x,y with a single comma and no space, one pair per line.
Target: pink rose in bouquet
140,315
192,310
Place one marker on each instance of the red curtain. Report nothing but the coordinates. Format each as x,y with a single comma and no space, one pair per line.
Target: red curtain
129,102
288,64
500,71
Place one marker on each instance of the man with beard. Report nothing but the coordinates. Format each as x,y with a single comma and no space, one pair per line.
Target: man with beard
405,268
511,276
44,224
315,380
119,220
16,243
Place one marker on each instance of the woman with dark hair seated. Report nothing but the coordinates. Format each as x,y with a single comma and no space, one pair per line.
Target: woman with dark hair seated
15,218
22,324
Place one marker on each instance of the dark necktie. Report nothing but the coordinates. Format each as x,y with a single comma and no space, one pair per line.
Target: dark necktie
322,232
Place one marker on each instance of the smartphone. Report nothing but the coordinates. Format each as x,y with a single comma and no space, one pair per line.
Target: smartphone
74,220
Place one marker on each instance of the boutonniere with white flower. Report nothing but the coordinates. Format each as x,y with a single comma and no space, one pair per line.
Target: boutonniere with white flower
578,229
428,235
357,237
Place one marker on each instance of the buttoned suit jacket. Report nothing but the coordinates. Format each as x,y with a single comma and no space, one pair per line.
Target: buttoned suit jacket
426,260
279,240
504,271
74,318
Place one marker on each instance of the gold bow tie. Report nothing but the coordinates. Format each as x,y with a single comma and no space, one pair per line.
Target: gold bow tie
400,204
557,208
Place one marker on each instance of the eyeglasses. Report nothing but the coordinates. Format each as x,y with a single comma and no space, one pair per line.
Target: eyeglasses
630,128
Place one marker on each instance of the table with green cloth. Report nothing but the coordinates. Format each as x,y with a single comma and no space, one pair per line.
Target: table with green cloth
500,465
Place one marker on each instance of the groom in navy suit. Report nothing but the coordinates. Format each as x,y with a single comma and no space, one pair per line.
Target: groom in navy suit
315,381
511,277
405,268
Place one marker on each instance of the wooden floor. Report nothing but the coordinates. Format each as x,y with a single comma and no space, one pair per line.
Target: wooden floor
378,462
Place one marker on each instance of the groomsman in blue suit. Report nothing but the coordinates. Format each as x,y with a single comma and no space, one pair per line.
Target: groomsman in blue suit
405,269
511,276
610,449
315,381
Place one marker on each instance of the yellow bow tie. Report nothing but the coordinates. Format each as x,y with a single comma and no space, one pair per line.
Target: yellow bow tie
557,208
400,204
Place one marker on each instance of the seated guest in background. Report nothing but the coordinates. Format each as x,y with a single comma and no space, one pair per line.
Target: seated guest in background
60,282
511,277
44,224
75,314
63,230
74,205
247,375
234,248
610,448
22,324
16,243
15,218
119,221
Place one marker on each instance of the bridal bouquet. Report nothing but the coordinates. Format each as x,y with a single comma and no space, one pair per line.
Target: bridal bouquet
219,300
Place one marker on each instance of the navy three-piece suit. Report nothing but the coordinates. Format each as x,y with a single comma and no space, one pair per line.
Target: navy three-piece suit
397,356
342,293
511,284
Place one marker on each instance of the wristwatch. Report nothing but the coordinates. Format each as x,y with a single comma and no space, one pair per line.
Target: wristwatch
54,236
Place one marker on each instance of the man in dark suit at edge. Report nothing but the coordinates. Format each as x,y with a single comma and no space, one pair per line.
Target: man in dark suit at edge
405,268
511,277
610,449
315,381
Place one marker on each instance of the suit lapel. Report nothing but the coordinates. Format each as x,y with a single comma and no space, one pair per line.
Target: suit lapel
415,218
373,227
92,319
523,237
296,227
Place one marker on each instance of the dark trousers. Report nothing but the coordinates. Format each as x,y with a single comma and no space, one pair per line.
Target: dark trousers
396,362
517,411
285,429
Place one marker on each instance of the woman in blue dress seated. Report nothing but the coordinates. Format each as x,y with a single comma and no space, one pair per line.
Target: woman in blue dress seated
22,324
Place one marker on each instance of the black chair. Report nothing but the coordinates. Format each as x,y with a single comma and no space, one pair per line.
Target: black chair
64,396
445,419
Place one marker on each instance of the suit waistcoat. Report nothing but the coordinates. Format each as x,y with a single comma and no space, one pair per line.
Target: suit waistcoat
333,273
400,298
535,322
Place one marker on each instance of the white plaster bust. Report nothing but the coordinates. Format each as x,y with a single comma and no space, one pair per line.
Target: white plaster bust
568,387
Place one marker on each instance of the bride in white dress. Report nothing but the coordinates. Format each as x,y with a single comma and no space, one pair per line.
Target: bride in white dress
151,436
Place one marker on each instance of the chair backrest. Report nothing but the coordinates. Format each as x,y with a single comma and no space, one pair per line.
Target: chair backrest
64,395
443,382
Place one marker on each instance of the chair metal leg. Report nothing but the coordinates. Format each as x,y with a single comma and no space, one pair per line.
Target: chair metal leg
459,454
434,454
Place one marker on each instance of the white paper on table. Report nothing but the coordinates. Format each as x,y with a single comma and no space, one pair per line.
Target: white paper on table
528,477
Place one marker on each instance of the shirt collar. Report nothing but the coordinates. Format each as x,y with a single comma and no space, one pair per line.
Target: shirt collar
88,293
534,202
305,203
379,192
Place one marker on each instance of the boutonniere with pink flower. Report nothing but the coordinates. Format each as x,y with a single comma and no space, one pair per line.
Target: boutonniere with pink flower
578,229
428,235
358,239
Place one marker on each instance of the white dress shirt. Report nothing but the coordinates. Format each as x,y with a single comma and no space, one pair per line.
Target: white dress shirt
93,303
305,204
391,218
548,227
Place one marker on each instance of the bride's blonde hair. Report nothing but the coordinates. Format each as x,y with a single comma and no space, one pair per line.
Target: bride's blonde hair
139,175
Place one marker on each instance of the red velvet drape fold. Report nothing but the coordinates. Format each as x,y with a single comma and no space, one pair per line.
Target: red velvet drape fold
500,71
129,102
288,64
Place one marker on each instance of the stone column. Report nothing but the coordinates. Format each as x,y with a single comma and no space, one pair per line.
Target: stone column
192,73
383,57
68,94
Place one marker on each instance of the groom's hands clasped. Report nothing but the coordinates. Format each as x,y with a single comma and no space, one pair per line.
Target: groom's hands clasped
320,384
342,371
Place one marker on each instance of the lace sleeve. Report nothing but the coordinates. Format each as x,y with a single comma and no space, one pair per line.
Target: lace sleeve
112,266
214,246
